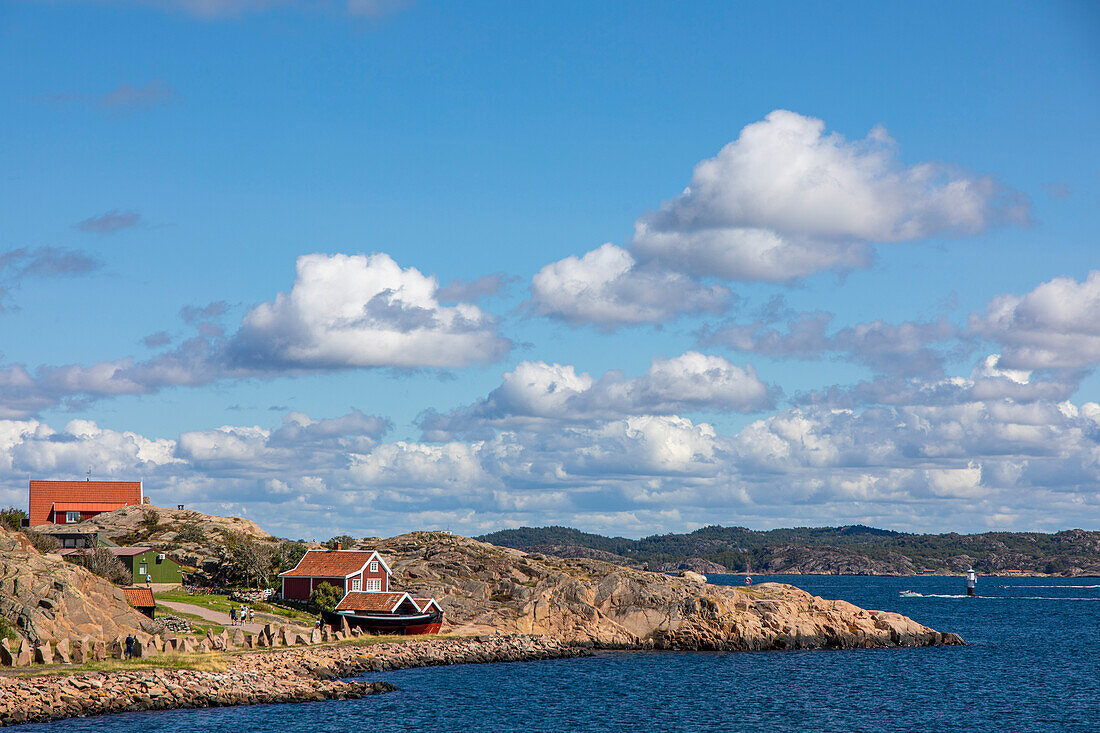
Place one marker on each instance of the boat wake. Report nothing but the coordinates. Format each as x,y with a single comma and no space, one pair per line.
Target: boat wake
1053,586
914,594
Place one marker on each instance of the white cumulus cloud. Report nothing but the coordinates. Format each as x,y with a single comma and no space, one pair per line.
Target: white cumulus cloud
536,392
606,288
1054,326
349,311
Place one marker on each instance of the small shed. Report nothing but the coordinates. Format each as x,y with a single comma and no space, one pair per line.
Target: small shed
141,599
146,564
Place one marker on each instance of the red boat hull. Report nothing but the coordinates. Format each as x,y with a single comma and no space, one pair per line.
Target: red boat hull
423,629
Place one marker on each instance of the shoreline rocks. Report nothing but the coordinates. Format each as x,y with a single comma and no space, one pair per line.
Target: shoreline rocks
290,675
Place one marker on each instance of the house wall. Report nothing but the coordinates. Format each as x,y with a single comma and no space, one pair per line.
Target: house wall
165,571
298,589
380,574
60,518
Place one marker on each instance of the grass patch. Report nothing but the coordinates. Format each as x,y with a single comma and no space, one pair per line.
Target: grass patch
199,625
207,662
6,631
222,604
213,602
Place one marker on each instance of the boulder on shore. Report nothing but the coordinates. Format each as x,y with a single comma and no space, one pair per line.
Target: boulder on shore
488,589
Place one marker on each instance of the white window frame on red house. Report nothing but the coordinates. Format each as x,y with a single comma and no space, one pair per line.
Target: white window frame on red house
72,517
355,584
374,566
374,585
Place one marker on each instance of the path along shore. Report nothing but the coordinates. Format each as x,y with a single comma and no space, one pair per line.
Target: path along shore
294,674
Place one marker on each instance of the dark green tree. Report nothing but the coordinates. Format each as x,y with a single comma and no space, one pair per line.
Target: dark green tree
325,597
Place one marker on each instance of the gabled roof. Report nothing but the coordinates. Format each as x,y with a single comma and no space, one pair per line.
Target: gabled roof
373,601
140,597
44,494
425,603
333,564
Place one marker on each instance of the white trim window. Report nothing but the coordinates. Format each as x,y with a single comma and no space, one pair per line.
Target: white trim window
374,566
72,517
355,583
374,584
143,569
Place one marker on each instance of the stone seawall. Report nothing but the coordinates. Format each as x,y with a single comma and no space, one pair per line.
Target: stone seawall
303,674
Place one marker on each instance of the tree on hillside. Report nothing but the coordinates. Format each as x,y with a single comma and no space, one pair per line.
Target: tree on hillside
191,532
103,563
286,556
325,597
12,518
150,520
244,562
346,542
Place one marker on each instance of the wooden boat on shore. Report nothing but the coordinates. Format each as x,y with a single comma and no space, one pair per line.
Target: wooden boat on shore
386,613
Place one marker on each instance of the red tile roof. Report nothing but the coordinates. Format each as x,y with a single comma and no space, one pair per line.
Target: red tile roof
330,564
84,506
44,494
140,597
425,603
370,601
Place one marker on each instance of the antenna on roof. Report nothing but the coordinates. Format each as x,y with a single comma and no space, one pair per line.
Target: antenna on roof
89,474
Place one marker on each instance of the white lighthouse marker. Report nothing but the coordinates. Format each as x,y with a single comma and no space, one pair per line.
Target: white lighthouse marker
971,582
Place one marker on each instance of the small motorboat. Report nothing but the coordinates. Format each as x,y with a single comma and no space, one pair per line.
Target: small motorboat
911,594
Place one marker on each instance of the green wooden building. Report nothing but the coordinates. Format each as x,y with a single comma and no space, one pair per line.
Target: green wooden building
147,563
144,563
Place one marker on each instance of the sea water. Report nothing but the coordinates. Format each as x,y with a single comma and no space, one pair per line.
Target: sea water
1032,664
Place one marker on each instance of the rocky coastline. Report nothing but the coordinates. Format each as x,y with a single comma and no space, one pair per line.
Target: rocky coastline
501,605
315,673
290,675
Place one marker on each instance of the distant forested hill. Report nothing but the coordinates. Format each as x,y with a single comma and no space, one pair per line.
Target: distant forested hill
855,549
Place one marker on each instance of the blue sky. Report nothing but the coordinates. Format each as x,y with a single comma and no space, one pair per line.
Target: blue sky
873,305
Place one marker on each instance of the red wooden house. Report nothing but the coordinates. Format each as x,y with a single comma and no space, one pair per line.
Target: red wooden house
348,570
69,502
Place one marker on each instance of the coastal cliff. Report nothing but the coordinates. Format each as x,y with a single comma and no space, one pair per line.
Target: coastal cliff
490,589
44,598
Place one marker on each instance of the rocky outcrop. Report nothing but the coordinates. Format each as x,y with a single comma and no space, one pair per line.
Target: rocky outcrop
693,564
131,523
484,588
277,676
36,699
44,598
801,560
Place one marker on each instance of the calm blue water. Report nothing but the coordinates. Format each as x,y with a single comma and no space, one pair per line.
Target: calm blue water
1033,665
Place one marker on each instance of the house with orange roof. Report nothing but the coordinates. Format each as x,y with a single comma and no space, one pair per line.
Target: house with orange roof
70,502
363,578
347,570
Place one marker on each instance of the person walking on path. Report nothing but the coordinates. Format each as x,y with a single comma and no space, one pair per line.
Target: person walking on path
251,615
233,615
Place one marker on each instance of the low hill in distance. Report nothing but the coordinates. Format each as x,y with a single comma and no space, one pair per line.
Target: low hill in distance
853,550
